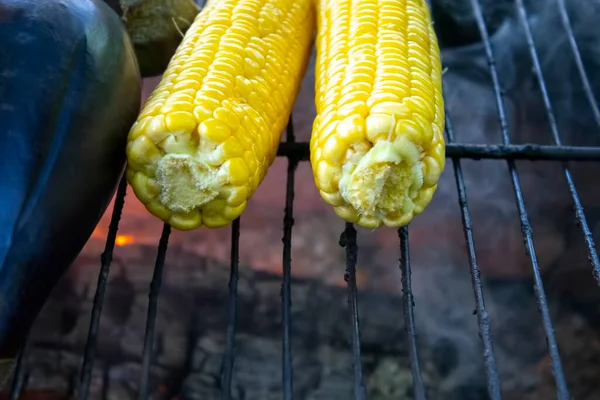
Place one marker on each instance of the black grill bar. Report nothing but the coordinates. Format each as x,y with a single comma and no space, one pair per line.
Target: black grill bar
286,296
106,259
507,151
234,276
483,318
348,240
564,16
579,215
409,317
19,374
152,310
561,385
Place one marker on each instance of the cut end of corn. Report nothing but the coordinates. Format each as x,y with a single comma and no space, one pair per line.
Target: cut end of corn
384,181
185,183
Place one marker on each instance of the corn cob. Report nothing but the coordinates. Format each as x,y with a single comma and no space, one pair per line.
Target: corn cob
377,147
210,130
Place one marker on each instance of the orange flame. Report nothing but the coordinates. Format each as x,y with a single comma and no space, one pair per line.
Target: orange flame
124,240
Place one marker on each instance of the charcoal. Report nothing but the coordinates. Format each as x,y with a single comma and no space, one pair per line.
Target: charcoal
192,321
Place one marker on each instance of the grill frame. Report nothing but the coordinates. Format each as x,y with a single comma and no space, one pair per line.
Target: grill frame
297,152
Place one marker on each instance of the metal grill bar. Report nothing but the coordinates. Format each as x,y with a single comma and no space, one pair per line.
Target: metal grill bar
152,310
409,317
348,240
587,234
561,385
483,318
234,277
19,375
106,259
508,151
564,16
286,296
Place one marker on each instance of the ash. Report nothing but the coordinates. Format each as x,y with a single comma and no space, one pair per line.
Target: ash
193,304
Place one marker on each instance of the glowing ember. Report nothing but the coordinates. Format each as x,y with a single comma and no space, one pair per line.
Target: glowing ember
124,240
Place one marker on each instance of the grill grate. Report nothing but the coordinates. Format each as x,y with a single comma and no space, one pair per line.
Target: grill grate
299,152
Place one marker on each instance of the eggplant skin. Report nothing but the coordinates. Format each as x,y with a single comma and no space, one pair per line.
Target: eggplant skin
70,90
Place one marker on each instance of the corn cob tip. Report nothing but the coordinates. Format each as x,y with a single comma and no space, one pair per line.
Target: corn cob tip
384,181
186,184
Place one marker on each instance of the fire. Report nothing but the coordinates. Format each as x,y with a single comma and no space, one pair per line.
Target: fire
124,240
98,232
120,240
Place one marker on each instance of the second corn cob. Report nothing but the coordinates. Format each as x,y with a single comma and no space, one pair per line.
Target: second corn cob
377,148
210,130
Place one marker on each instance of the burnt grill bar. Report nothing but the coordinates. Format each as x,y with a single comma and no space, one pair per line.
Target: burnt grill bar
564,17
557,368
286,296
348,241
530,152
483,318
409,317
106,260
561,384
19,378
234,276
580,216
152,309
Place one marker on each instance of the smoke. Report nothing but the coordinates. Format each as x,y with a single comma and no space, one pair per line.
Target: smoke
444,300
473,112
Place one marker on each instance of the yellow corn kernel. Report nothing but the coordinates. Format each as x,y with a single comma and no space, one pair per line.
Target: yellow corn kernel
210,130
377,149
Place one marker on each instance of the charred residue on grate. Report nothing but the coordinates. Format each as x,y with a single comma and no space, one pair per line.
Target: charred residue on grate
503,72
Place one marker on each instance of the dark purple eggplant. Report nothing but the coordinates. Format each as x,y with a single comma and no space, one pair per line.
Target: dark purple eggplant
69,92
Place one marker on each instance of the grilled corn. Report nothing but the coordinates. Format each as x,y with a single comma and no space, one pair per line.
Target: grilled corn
377,147
210,130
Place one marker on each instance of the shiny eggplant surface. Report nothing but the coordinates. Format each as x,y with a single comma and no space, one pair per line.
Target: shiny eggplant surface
69,92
